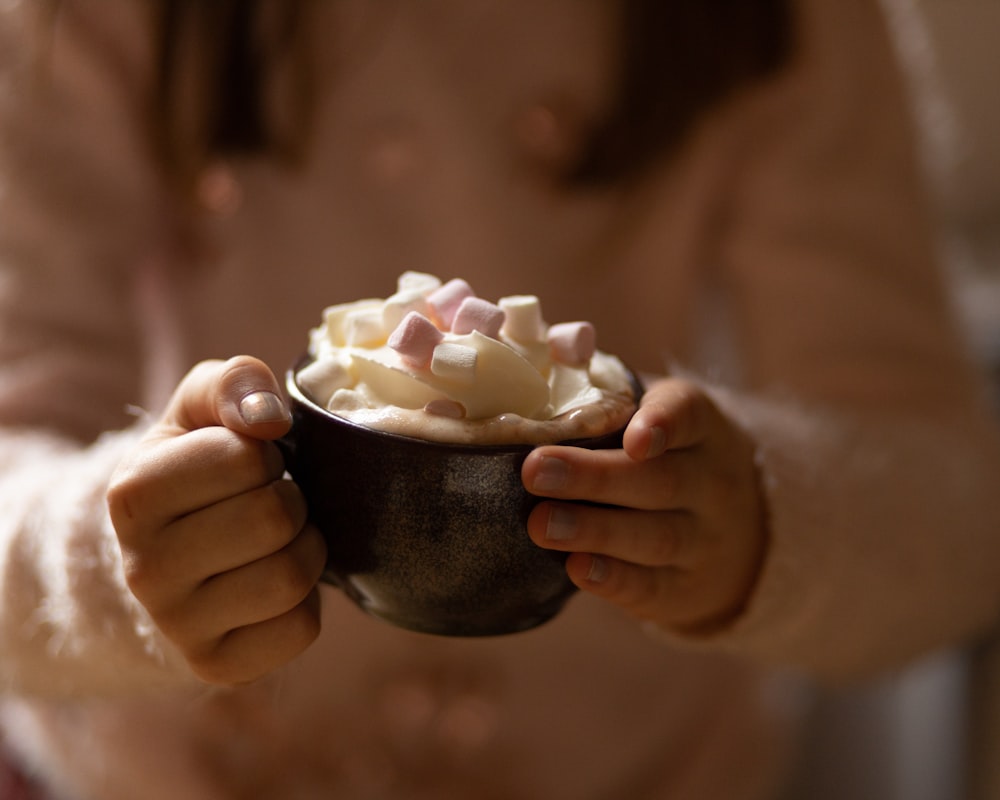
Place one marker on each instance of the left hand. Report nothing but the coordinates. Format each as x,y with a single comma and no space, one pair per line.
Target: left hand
680,531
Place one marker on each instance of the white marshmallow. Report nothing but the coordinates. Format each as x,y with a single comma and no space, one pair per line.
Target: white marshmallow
320,379
363,328
402,303
335,319
454,362
346,400
422,282
523,321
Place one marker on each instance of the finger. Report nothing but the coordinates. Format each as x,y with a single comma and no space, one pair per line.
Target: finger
216,539
241,394
176,476
673,597
675,480
250,594
644,592
653,539
673,414
251,652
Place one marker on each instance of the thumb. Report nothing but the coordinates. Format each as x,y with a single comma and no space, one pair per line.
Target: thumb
241,394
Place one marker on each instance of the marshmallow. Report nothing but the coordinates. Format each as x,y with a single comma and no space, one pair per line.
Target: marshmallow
454,362
436,349
523,321
572,343
444,407
415,339
346,400
324,376
363,328
335,319
446,299
421,282
476,314
402,303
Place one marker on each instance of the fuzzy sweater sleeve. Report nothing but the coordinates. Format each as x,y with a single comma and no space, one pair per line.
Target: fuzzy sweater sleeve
879,454
77,210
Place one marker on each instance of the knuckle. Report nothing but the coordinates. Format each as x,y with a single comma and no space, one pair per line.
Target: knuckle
300,573
686,394
240,362
224,449
237,658
238,452
276,514
150,569
176,626
220,668
142,573
203,369
291,579
117,494
240,374
208,372
688,405
236,367
124,496
303,627
229,661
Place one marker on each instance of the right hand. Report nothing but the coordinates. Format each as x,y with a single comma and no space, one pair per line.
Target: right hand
214,541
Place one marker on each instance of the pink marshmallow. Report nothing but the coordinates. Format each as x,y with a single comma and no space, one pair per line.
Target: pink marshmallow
445,300
445,407
572,343
475,314
415,339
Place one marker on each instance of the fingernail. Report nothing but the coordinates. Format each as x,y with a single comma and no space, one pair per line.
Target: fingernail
657,442
552,475
258,407
561,526
598,571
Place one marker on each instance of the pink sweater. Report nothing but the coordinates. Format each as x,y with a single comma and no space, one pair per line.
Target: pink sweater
784,257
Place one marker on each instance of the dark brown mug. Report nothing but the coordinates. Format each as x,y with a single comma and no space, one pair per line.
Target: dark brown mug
428,536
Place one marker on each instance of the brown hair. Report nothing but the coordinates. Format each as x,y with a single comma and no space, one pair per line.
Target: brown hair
215,61
679,58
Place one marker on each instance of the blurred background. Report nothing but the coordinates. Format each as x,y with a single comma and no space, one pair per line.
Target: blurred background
953,51
932,733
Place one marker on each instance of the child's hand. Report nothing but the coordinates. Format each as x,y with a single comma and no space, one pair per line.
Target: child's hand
214,541
684,539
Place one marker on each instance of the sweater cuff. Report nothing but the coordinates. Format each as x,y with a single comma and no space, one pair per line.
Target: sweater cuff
785,599
69,623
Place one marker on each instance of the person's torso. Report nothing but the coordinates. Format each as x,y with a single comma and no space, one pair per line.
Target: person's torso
434,151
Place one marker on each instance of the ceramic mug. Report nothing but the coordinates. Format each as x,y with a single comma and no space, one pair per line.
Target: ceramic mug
428,536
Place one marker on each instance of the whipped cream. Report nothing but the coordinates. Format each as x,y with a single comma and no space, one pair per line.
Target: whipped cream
434,361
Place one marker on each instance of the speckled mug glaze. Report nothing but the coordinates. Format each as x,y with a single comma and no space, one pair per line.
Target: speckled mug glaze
427,536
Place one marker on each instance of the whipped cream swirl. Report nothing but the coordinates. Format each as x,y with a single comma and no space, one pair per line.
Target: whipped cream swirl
434,361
